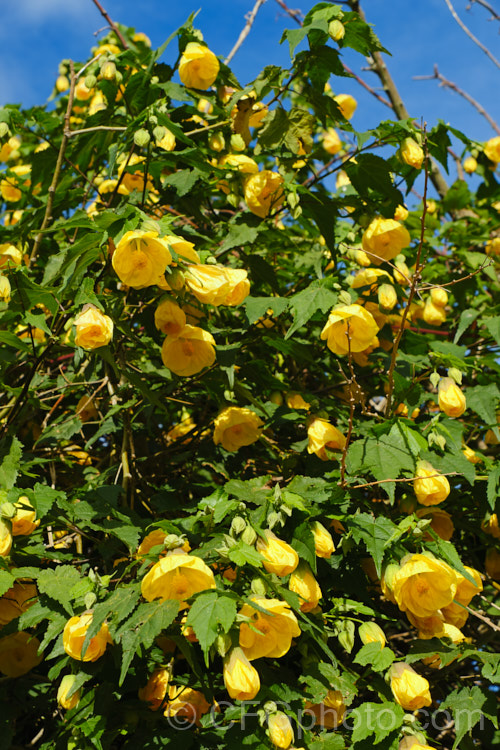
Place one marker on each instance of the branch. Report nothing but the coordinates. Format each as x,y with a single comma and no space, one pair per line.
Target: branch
413,288
453,86
488,7
57,171
71,133
297,15
113,25
250,18
379,67
412,479
470,34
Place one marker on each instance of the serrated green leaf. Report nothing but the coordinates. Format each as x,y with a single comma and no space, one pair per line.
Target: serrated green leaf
379,658
469,706
493,326
6,581
379,719
11,450
243,553
492,487
304,304
483,399
208,612
256,307
57,583
377,534
467,318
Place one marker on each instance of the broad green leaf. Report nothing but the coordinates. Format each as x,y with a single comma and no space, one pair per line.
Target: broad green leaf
376,533
208,612
469,706
304,304
256,307
379,658
243,553
10,454
379,719
57,583
467,318
493,326
483,400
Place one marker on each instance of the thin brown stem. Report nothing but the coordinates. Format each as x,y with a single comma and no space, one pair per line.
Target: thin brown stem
113,25
250,18
71,133
413,287
453,86
469,33
411,479
57,171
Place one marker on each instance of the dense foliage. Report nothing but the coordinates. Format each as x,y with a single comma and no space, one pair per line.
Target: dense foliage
248,410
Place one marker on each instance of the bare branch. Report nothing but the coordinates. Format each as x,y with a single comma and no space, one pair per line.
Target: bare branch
113,25
250,18
470,34
487,6
297,15
453,86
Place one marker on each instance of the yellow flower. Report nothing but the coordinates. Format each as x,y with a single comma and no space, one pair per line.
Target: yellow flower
323,542
431,625
492,563
279,557
401,213
447,631
198,67
155,538
9,148
323,438
280,730
439,296
433,314
93,329
384,239
466,590
440,522
235,427
451,399
186,703
74,634
19,654
387,297
239,286
167,142
422,585
169,318
209,284
347,105
470,165
492,149
82,92
5,538
410,153
263,192
23,523
155,689
240,162
410,690
370,632
295,401
141,258
471,455
493,246
65,686
331,141
5,289
267,634
330,712
430,487
177,576
369,277
303,583
336,30
189,351
10,256
349,328
9,189
184,249
16,600
86,410
240,677
490,526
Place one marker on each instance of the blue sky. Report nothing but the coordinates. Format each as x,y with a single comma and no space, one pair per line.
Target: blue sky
36,34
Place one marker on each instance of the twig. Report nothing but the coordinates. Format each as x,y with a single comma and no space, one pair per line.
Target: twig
57,171
412,479
367,87
113,25
488,7
453,86
70,133
295,14
483,618
470,34
413,287
250,18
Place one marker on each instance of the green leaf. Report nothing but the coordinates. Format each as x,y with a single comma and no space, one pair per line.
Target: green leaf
377,534
182,181
250,490
377,657
208,612
148,621
483,400
467,318
379,719
256,307
385,457
327,741
469,706
57,583
10,453
243,553
304,304
6,581
239,235
116,608
493,326
492,487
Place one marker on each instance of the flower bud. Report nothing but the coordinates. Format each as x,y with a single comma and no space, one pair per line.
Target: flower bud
451,399
4,289
176,279
238,525
159,132
4,129
370,632
280,730
217,142
249,536
65,686
439,296
323,542
237,142
470,165
387,297
108,71
141,137
90,81
336,30
259,586
411,153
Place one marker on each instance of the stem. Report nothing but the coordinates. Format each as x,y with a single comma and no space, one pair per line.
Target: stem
113,25
57,171
470,34
413,288
250,18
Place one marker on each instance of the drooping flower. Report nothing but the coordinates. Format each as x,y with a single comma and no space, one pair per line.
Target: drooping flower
19,654
430,487
451,398
370,632
189,351
324,437
410,690
280,730
349,328
384,239
423,585
140,258
235,427
64,688
323,542
93,329
263,192
177,576
74,634
267,634
279,557
209,284
155,689
303,583
198,66
240,677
